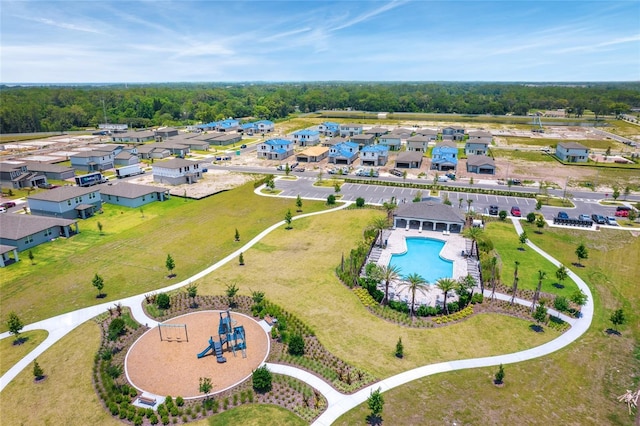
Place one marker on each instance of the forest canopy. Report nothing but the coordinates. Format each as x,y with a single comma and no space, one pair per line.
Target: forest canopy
26,109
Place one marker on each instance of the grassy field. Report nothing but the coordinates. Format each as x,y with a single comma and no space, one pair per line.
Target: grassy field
13,353
540,142
67,396
623,128
256,415
577,385
131,254
536,156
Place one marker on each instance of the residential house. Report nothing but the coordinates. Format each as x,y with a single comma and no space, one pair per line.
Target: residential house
374,155
392,140
51,171
481,164
329,128
131,195
69,202
125,158
15,176
480,135
409,160
431,134
219,138
376,131
228,125
453,133
265,126
163,133
275,149
350,129
134,137
313,154
444,156
176,171
343,153
572,152
363,140
19,232
334,141
306,137
193,141
151,151
418,143
176,149
93,161
476,147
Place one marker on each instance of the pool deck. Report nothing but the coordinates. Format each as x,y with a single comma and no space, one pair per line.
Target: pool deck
452,250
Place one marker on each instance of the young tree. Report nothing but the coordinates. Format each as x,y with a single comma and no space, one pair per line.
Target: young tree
38,372
288,218
360,202
464,288
31,257
471,180
375,402
15,326
336,187
296,345
540,222
523,239
170,264
192,292
541,276
582,253
331,199
241,259
231,291
514,288
205,386
616,193
540,314
562,273
446,285
502,215
287,169
399,348
298,204
100,227
98,283
499,377
579,297
262,379
531,217
237,236
460,201
617,318
627,191
561,304
538,205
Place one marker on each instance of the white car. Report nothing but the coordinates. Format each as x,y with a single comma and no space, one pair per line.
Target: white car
612,221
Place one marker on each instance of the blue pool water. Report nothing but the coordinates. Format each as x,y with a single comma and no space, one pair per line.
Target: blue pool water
423,258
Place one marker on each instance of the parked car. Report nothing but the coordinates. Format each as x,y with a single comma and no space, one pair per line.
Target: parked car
243,146
515,211
3,209
623,211
451,176
584,217
611,220
8,204
299,169
563,215
598,218
396,172
443,179
493,210
515,181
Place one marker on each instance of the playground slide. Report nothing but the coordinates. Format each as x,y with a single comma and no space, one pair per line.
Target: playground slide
207,350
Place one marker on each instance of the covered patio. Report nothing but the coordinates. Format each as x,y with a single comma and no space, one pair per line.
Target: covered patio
429,216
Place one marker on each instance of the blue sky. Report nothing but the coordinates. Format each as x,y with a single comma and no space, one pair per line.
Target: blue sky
177,41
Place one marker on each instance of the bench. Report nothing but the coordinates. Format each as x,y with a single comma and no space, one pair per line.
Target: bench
147,399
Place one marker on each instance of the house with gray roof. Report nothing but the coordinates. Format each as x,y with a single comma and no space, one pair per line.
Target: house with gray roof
93,161
476,147
21,232
572,152
481,164
334,141
409,160
431,134
141,136
51,171
363,140
350,129
17,175
453,133
428,215
131,195
69,202
151,151
176,171
418,143
392,140
125,158
376,131
163,133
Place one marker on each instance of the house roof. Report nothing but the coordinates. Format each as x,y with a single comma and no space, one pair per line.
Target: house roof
87,154
343,150
315,151
308,132
479,134
363,137
336,140
166,130
349,125
375,130
478,142
418,138
62,193
128,190
169,145
6,249
409,156
140,134
275,142
45,167
16,226
382,149
447,144
480,160
571,145
124,155
8,167
427,132
429,210
174,163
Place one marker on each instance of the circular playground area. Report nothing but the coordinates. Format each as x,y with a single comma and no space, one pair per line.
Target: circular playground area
171,365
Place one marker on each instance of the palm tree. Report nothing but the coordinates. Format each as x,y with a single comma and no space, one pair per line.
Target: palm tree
446,285
388,274
494,263
414,282
474,233
514,289
389,208
541,276
469,201
380,224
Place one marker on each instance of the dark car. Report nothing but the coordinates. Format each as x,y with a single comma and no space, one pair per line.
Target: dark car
516,182
515,211
396,172
599,219
563,215
493,210
243,146
8,204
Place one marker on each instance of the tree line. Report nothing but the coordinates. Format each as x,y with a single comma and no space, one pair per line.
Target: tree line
26,109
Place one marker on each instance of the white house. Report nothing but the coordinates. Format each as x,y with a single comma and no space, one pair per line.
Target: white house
306,137
275,149
350,129
177,171
572,152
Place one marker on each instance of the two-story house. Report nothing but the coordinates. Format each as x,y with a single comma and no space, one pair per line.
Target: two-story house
306,137
374,155
17,176
165,133
392,140
418,143
453,133
444,156
476,147
363,140
69,202
431,134
176,171
93,161
275,149
343,153
350,129
572,152
329,128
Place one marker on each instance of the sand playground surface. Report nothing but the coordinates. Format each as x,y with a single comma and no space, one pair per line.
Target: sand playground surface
172,367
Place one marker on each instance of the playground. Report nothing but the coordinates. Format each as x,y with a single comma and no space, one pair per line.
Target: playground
191,348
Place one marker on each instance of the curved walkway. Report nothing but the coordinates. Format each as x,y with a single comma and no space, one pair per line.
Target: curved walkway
338,403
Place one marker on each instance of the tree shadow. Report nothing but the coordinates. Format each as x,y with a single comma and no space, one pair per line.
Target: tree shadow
19,341
171,276
577,264
537,328
612,332
558,285
374,420
520,248
101,296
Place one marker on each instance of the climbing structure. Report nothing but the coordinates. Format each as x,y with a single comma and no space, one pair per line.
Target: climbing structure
231,335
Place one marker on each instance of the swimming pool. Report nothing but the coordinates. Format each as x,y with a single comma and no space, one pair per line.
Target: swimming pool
423,257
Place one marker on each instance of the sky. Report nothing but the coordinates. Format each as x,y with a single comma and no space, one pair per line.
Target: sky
280,41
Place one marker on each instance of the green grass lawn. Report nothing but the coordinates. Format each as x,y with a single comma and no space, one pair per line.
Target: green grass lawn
523,155
10,353
623,128
589,143
131,254
256,415
577,385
